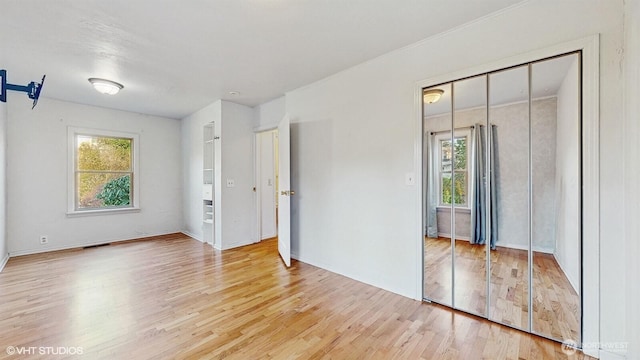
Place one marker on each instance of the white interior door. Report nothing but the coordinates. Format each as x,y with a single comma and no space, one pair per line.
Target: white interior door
285,192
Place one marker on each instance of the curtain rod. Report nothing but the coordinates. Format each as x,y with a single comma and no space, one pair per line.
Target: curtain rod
458,128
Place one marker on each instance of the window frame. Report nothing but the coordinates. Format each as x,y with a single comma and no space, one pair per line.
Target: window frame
438,138
72,138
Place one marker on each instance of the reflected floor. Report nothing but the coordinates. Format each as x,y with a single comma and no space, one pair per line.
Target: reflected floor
556,305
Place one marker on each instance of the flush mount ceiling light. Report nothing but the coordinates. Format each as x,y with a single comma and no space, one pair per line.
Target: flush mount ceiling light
432,95
106,86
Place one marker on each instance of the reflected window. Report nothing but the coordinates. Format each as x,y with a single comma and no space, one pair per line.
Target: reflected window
453,167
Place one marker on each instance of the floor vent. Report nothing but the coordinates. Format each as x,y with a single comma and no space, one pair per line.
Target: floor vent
95,246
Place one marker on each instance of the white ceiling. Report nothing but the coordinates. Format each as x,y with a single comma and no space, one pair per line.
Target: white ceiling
177,56
506,87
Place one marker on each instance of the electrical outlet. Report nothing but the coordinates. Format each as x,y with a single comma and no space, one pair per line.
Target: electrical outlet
231,183
44,239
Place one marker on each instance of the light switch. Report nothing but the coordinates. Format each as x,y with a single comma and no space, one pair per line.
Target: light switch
410,179
269,183
230,183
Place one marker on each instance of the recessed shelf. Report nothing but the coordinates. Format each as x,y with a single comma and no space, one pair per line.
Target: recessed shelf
208,221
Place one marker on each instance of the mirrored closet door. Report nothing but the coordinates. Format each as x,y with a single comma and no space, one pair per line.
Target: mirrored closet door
502,200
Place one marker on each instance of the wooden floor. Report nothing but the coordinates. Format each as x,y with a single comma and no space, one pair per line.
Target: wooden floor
175,298
556,305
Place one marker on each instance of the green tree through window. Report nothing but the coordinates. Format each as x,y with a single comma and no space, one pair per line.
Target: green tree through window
457,158
103,171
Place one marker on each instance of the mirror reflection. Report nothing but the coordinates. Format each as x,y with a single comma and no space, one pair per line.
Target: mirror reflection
469,195
555,171
438,261
502,204
509,149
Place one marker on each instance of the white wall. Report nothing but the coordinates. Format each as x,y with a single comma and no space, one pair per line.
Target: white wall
192,164
238,202
567,178
353,139
268,115
37,176
234,207
4,251
632,172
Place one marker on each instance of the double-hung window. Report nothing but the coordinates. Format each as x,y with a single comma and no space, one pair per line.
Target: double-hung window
103,176
453,168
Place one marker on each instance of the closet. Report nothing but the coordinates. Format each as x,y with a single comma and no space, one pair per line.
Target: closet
502,196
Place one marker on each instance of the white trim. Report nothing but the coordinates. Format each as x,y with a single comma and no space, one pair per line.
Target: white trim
85,244
93,212
72,131
575,287
458,237
193,236
4,261
418,152
591,191
257,176
606,355
265,128
590,47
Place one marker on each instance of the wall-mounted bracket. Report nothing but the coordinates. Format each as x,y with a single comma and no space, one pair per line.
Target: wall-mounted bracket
32,89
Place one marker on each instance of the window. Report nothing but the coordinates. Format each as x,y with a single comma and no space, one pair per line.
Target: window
103,171
453,166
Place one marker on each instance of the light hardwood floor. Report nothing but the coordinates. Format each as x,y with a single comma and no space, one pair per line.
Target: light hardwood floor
174,298
556,305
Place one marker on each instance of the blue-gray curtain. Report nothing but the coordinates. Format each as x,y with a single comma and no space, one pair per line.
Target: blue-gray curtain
480,218
493,191
431,221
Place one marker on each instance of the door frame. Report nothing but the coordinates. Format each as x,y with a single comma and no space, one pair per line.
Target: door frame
590,111
257,178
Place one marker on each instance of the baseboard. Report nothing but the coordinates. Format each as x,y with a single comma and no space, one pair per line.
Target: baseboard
269,236
525,247
606,355
349,275
4,262
191,235
458,237
237,245
565,274
91,243
501,244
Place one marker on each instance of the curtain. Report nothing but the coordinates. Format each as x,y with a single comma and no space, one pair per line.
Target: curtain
493,191
480,218
431,222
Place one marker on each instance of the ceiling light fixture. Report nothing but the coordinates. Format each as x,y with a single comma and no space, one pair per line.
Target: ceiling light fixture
104,86
432,95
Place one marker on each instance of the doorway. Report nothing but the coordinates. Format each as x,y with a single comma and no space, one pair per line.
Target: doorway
266,184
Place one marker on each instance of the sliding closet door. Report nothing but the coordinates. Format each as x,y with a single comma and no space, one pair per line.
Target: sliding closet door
438,255
509,154
555,174
468,194
503,202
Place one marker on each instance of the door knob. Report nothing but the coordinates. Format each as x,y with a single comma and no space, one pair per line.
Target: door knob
287,192
292,193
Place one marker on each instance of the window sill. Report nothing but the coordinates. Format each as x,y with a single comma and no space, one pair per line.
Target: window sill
81,213
458,208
